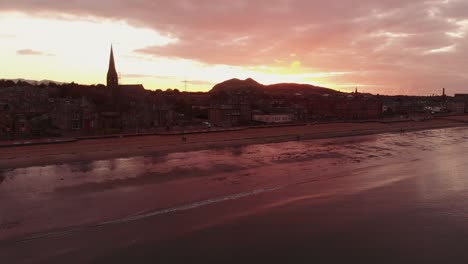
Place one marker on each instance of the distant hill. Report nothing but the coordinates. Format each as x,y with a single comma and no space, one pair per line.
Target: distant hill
236,85
32,82
300,88
251,86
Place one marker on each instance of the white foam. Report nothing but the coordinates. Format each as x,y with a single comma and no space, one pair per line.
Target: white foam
190,206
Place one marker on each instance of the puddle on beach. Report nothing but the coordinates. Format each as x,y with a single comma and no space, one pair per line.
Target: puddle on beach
324,154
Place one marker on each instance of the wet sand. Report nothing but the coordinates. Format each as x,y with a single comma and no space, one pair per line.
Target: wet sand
387,198
101,149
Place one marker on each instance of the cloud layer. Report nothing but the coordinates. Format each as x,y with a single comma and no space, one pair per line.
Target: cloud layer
413,46
32,52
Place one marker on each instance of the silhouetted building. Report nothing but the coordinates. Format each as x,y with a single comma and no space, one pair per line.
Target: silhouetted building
127,107
6,120
113,80
230,114
74,115
345,108
456,107
274,118
462,98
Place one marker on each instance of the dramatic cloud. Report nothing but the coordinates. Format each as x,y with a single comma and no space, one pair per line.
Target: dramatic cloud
32,52
418,45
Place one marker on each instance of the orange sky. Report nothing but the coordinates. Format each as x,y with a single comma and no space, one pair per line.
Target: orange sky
386,47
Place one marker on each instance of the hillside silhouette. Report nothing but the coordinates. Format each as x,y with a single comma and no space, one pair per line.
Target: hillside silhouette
251,86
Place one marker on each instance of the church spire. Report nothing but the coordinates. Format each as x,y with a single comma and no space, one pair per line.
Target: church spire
112,77
113,80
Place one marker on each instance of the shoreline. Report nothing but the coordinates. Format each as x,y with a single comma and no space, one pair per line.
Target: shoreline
115,148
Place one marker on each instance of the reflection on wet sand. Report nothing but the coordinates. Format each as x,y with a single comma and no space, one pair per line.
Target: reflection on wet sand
316,154
351,184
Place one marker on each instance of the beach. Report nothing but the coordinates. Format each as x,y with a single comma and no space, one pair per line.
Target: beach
107,148
382,198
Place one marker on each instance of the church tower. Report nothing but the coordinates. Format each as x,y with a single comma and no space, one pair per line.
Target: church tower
112,78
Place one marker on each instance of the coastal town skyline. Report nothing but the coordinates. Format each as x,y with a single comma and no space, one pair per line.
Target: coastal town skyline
233,131
385,55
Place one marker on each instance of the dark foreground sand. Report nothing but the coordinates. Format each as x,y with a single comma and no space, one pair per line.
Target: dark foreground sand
387,198
98,149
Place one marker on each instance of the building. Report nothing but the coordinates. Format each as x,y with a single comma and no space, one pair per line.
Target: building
119,92
224,115
230,114
6,120
131,91
462,98
274,118
456,107
113,81
345,108
123,98
77,115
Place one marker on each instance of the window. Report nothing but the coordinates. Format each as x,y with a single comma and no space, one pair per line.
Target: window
76,116
76,125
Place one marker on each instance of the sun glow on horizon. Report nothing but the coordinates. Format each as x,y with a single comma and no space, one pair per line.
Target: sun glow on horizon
77,50
68,50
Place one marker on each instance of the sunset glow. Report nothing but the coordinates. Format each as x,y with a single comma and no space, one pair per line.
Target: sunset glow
233,131
382,48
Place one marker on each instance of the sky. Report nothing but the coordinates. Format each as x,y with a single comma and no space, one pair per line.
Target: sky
383,47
